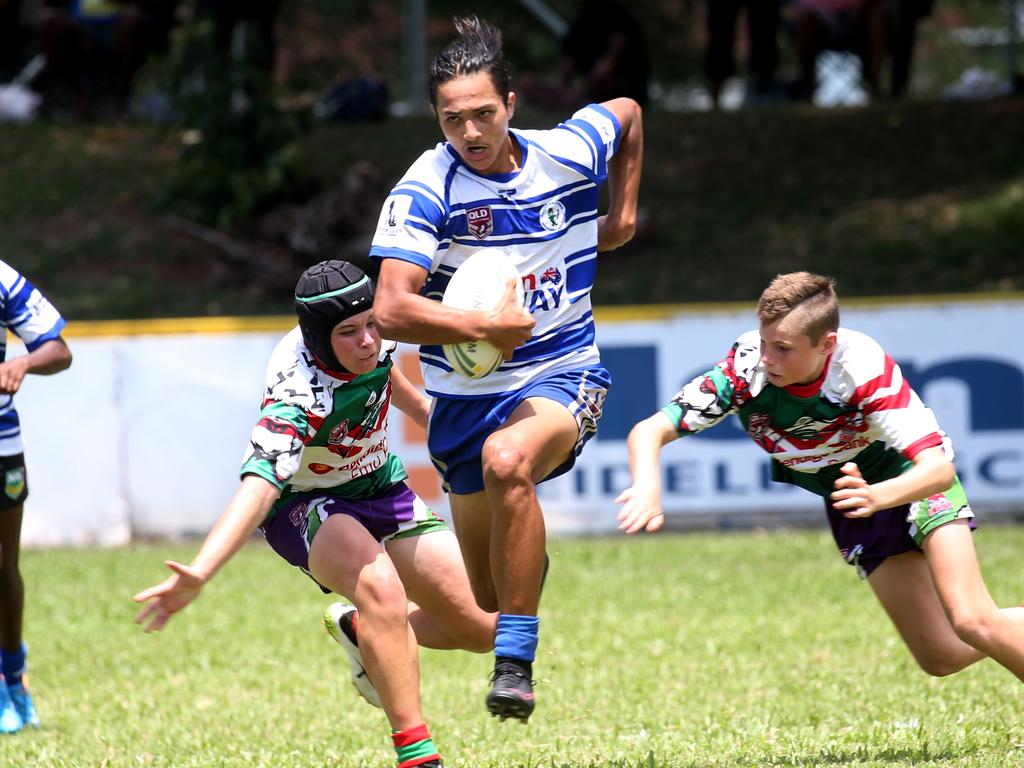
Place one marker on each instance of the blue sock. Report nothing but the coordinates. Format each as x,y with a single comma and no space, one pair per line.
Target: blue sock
516,637
13,664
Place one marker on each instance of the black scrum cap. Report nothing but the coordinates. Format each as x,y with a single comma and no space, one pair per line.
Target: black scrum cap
326,294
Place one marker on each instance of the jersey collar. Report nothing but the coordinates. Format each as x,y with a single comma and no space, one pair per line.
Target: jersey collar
812,388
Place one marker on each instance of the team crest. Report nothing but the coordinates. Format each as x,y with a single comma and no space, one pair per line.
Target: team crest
552,215
14,482
480,221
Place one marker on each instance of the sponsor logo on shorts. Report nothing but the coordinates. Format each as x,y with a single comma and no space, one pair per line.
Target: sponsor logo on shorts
480,221
14,482
552,215
938,504
298,514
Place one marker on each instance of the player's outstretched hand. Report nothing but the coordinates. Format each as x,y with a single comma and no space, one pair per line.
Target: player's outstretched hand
169,596
511,326
853,495
641,511
613,233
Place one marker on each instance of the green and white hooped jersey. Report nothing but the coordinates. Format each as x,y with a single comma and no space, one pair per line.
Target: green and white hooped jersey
321,432
861,409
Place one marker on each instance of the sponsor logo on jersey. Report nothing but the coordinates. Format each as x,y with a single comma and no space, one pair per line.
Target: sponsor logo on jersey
14,482
552,215
392,218
757,424
480,221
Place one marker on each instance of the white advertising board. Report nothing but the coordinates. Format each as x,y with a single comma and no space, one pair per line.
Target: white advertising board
143,436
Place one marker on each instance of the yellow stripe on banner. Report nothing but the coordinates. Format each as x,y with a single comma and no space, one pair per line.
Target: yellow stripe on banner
635,313
179,325
652,312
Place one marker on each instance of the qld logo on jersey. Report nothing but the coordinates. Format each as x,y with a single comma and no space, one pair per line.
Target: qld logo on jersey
480,221
552,216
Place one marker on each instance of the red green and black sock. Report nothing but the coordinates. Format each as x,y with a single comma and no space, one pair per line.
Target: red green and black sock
414,746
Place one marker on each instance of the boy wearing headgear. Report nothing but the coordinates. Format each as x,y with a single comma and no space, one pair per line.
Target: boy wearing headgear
320,483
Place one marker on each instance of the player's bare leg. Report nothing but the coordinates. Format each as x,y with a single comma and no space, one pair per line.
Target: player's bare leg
906,588
536,439
471,514
346,559
974,615
16,707
446,614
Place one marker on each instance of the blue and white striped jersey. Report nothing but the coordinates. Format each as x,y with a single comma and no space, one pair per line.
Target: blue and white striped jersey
26,312
543,217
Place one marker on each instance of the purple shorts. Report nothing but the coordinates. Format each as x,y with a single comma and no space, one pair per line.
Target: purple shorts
397,513
865,542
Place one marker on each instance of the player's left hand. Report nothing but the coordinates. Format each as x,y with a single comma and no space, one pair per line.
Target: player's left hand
613,232
169,596
641,511
853,496
12,373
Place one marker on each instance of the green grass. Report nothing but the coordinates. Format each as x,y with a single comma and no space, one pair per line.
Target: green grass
677,650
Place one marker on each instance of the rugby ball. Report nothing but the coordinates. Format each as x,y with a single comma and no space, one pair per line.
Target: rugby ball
479,283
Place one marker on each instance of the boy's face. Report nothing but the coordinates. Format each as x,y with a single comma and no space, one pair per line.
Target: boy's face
474,118
788,355
356,342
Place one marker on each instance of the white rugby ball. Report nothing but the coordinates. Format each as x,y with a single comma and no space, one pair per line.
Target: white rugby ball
479,283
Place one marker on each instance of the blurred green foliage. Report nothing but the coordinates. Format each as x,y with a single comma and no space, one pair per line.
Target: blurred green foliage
241,152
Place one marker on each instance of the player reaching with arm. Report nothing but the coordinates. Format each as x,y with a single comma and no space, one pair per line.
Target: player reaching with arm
839,419
534,195
319,482
34,320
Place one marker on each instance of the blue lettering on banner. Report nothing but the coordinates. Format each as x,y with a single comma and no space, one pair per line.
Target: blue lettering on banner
988,469
681,477
996,389
634,392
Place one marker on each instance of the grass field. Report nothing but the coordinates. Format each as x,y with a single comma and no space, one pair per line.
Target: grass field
674,650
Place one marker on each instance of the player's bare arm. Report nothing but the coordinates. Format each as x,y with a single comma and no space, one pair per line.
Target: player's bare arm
641,502
404,315
408,399
618,225
932,473
51,357
246,510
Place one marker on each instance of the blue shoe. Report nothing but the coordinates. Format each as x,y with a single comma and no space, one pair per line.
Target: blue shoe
23,704
10,720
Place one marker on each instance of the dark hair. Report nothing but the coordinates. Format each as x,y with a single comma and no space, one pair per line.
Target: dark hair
478,48
814,296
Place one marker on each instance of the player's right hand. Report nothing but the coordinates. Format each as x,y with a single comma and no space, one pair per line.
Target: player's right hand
510,325
169,596
641,510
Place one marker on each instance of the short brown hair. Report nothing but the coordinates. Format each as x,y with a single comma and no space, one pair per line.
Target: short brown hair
813,295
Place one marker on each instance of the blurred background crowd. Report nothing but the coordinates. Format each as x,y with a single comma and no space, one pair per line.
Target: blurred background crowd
225,144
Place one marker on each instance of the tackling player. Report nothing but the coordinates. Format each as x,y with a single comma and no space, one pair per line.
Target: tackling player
838,418
320,483
534,195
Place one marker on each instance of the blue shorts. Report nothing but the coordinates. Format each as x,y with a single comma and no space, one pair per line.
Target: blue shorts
459,426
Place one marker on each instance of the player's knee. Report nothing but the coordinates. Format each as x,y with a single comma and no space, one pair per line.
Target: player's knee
381,593
938,664
976,627
504,462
